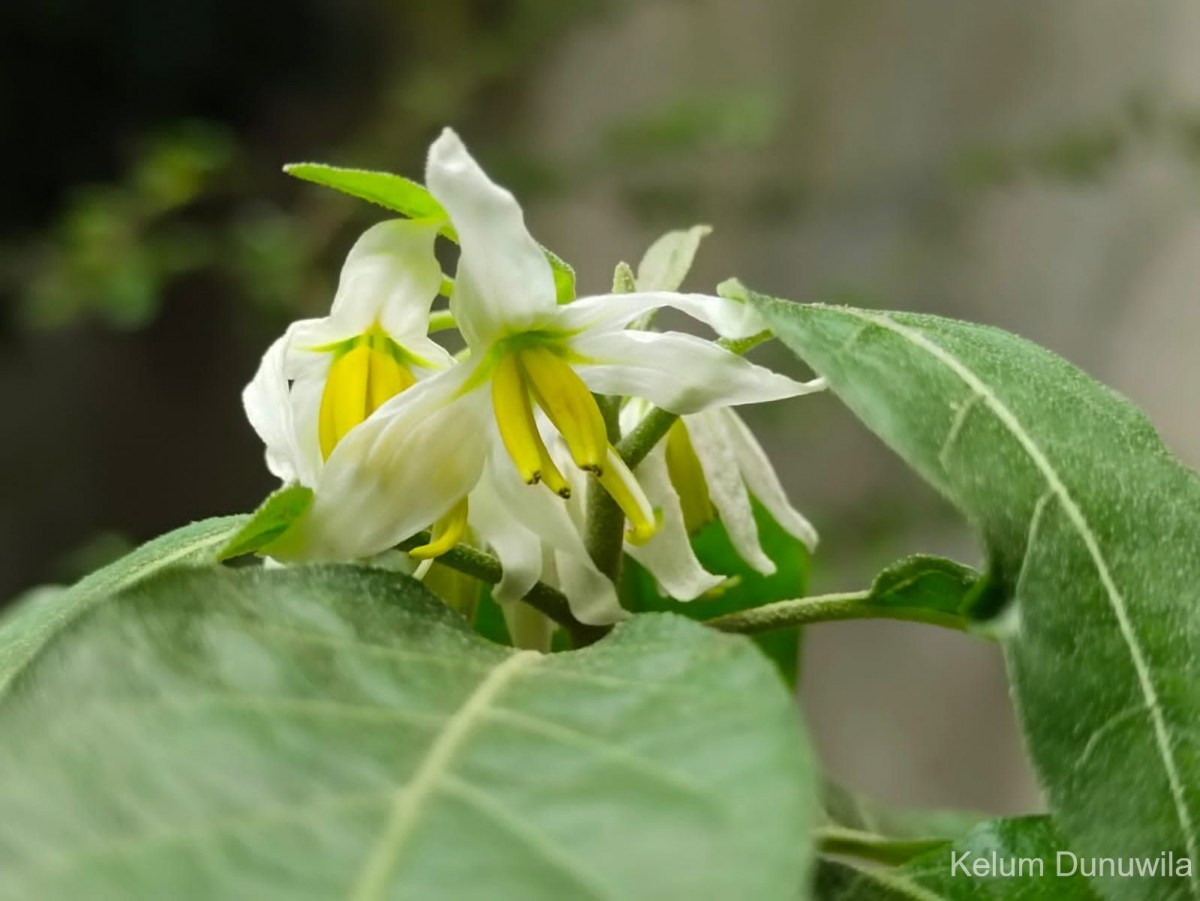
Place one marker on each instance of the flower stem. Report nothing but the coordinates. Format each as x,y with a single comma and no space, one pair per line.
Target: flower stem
543,597
877,848
655,425
828,608
440,321
605,521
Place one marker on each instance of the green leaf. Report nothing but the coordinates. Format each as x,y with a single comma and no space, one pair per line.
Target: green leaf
1026,847
564,277
1091,529
924,582
669,259
1032,842
30,625
746,587
392,192
405,196
337,732
273,517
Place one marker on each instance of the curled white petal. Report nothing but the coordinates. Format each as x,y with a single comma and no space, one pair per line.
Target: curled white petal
603,312
680,373
727,490
269,409
590,593
518,549
390,277
305,400
528,627
558,526
668,555
761,479
503,282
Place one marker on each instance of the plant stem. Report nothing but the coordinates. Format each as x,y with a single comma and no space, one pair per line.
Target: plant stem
440,321
655,425
877,848
830,608
605,521
543,597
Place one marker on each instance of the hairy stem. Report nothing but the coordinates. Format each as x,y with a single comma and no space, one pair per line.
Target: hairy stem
655,425
829,608
876,848
543,597
605,521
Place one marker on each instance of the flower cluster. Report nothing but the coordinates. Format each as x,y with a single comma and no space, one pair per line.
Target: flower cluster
498,446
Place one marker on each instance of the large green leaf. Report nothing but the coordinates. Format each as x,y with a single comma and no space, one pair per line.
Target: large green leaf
31,623
1091,529
1001,860
336,732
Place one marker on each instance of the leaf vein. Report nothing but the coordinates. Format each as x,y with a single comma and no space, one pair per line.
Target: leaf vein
487,804
615,753
430,773
960,419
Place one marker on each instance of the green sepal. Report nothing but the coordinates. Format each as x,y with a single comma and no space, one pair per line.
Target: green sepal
274,516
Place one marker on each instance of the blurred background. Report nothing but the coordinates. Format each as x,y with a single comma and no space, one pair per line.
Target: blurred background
1027,164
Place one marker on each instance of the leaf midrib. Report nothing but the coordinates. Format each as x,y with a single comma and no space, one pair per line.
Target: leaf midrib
1116,601
433,768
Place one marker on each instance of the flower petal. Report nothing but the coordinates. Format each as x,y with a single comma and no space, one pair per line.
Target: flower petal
400,470
680,373
305,399
390,276
726,489
761,479
728,318
518,550
668,555
590,594
528,627
268,407
504,281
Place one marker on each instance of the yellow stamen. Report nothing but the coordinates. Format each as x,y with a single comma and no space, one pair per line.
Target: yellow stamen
566,400
359,382
552,476
619,482
447,532
687,477
518,429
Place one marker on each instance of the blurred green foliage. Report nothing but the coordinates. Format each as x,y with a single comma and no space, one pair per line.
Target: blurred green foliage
1086,152
201,198
115,245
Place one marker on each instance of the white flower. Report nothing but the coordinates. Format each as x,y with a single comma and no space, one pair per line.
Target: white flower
539,536
709,466
530,372
324,377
